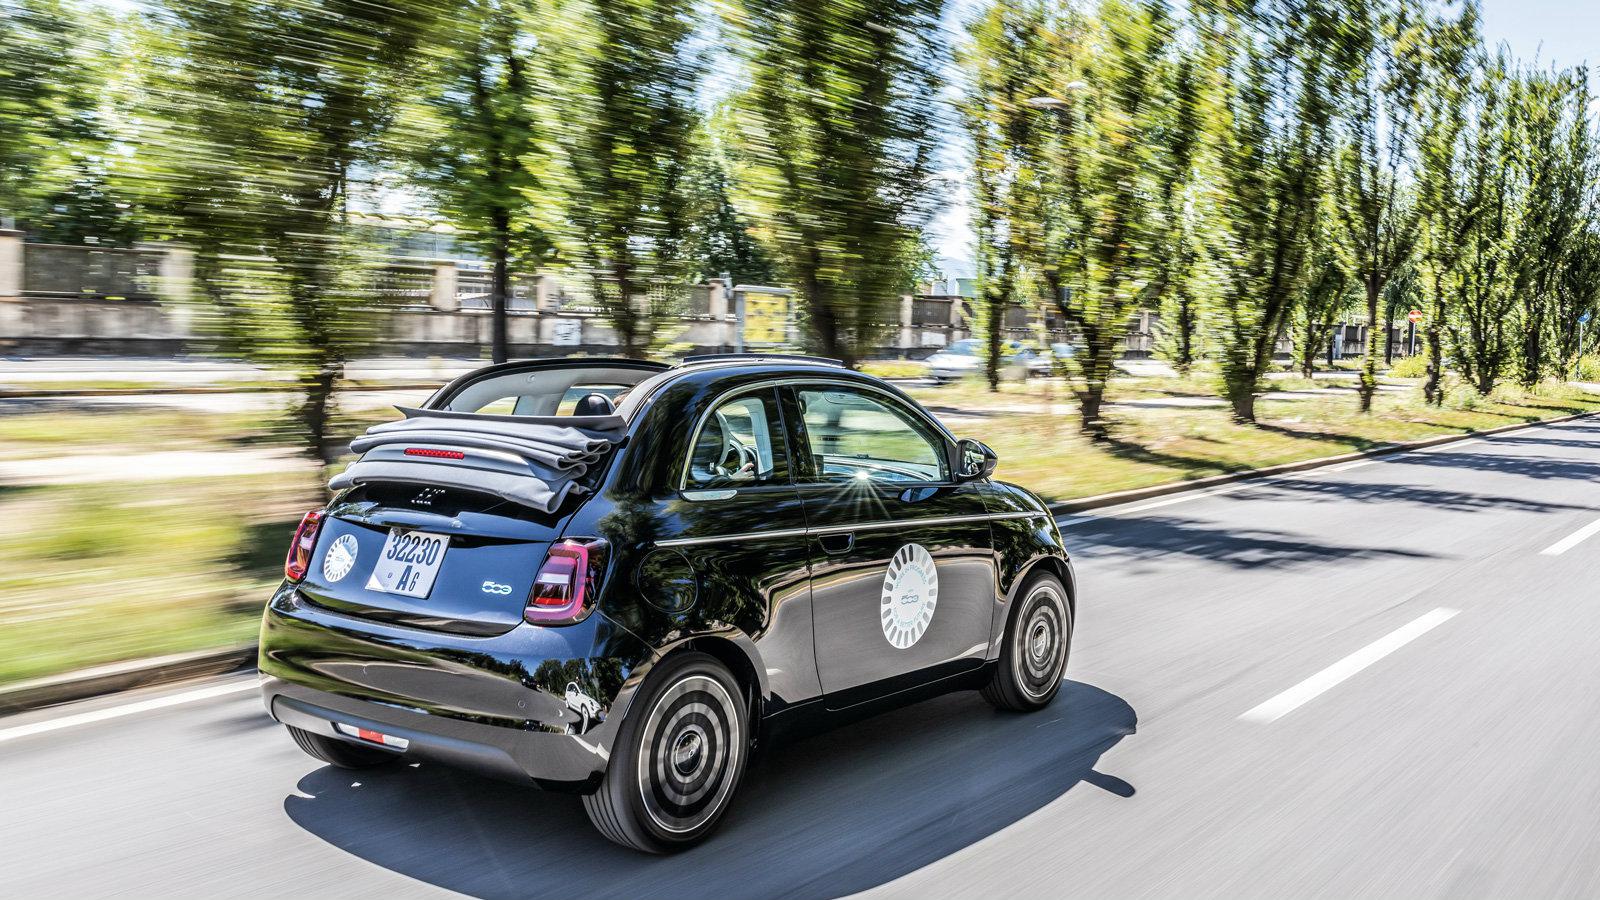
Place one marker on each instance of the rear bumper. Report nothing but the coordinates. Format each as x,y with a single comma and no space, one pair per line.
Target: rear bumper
557,762
540,704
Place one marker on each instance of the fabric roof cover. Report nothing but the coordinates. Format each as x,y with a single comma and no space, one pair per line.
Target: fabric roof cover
534,461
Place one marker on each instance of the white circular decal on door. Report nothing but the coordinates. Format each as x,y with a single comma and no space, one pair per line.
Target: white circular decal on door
339,559
910,592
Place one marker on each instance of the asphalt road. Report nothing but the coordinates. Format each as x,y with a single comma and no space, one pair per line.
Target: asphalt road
1374,681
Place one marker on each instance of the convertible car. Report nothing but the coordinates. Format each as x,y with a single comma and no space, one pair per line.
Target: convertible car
619,578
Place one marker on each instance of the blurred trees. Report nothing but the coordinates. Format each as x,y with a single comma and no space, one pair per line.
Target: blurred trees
1273,135
1241,167
626,104
838,122
270,113
1380,40
55,73
1111,186
1015,59
473,140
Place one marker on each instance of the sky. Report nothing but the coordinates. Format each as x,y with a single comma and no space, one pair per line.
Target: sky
1563,33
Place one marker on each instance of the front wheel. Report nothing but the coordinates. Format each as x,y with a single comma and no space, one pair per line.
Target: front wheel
679,757
1034,655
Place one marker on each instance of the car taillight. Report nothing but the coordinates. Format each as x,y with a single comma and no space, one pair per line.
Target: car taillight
298,561
564,590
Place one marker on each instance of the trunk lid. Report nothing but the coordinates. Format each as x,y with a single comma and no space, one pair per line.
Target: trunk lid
481,576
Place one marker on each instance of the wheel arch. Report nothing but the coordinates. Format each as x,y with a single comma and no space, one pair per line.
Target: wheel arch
732,648
1055,565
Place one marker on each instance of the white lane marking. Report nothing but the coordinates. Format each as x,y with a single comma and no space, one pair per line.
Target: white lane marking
1313,687
1572,540
128,709
1074,520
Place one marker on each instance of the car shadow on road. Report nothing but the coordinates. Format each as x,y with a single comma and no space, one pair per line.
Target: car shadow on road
830,815
1370,492
1150,538
1540,468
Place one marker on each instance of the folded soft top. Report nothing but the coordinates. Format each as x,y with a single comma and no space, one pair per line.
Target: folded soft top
532,462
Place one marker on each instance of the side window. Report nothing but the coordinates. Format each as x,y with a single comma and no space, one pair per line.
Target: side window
854,434
738,445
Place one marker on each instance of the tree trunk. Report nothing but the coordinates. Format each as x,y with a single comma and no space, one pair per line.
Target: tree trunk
994,328
499,283
315,411
1533,349
1185,324
1241,390
1308,353
1090,400
1369,361
1432,388
1388,336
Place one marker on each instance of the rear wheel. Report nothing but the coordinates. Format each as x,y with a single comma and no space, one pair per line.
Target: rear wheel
339,753
1034,655
678,759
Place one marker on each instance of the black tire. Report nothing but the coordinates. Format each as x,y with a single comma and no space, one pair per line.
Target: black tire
1034,654
342,754
678,759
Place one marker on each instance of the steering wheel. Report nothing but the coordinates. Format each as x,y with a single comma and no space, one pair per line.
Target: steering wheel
733,458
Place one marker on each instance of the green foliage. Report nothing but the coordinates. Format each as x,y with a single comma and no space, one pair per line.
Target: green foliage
1017,57
626,126
473,141
719,237
1587,368
1277,79
1382,74
1409,367
837,126
271,113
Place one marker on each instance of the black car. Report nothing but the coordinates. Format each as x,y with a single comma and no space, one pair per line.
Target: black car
619,578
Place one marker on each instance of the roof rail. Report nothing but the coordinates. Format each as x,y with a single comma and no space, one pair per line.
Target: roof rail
734,357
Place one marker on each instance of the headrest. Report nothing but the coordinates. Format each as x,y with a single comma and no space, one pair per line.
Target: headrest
594,405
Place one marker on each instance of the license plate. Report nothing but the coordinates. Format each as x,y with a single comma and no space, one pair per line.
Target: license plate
408,563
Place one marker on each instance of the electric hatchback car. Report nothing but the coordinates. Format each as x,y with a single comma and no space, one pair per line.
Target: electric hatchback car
618,578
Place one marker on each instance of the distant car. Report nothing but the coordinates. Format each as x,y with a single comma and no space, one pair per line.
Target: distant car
619,597
1054,360
966,358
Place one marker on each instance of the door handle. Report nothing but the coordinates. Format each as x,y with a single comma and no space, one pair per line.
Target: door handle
837,543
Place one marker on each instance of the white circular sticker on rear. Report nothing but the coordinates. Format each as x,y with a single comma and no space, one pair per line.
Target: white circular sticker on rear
910,592
340,558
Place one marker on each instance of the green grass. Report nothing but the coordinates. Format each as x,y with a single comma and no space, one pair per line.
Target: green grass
1154,446
98,573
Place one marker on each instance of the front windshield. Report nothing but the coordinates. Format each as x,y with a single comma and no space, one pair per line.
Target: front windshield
968,347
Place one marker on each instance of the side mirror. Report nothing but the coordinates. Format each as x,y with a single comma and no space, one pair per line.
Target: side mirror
977,460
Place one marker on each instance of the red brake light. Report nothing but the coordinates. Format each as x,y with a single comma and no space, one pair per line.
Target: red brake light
435,453
564,590
298,561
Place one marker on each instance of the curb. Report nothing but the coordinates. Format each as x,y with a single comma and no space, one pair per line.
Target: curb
1118,498
123,676
287,388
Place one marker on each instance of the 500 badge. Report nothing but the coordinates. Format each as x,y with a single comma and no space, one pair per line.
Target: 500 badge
910,593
